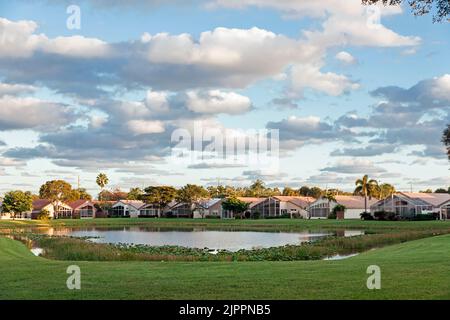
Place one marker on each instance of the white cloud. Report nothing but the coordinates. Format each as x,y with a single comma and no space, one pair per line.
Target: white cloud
18,39
310,76
345,57
24,113
216,101
441,88
145,126
15,89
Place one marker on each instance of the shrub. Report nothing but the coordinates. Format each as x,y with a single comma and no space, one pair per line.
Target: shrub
332,215
211,216
43,215
256,215
366,216
386,215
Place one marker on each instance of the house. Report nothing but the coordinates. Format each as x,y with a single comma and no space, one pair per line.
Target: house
409,204
252,201
150,210
4,215
355,205
292,206
208,208
179,209
126,208
82,209
59,210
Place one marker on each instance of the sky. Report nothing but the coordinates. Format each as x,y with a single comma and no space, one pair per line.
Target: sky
106,85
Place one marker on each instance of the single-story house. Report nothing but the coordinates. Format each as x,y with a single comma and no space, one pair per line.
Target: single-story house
208,208
126,208
4,215
409,204
82,209
294,206
252,201
150,210
59,210
355,205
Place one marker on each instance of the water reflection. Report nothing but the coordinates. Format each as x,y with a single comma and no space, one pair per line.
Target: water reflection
231,240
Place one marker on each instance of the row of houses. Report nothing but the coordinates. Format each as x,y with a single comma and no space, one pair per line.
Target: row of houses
402,203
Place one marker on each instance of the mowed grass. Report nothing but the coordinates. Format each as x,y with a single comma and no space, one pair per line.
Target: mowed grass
412,270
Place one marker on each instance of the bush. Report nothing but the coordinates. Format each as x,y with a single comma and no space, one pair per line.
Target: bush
297,215
256,215
366,216
332,215
387,216
43,215
424,217
211,216
283,216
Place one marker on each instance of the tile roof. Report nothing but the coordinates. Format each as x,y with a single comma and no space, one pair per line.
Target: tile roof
78,203
39,204
299,201
134,203
435,199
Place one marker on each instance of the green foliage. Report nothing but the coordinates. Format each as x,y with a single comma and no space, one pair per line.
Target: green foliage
43,215
135,194
366,216
17,202
235,205
287,191
81,193
160,195
386,216
191,193
57,190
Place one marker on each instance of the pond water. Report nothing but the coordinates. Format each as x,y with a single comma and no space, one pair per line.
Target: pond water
231,240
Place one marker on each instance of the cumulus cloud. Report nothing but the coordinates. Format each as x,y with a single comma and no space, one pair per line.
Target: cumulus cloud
346,58
368,151
296,131
216,101
19,40
15,89
354,166
40,114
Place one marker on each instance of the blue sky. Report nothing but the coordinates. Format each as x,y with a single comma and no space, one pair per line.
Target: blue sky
349,96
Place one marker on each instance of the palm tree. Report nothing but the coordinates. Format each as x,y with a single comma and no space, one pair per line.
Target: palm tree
366,188
330,197
102,181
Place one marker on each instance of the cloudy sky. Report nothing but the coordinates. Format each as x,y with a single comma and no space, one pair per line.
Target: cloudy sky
352,91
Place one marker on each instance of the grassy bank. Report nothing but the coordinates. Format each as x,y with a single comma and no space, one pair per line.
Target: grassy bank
412,270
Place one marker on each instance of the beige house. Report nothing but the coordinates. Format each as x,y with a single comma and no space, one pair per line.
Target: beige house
292,206
321,208
82,209
409,204
59,210
126,208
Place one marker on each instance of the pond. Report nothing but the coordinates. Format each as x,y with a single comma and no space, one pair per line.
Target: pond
232,240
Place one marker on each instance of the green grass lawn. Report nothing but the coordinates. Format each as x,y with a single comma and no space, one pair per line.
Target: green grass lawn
413,270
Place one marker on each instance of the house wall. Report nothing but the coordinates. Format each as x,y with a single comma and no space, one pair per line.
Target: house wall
353,213
291,208
324,208
128,210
